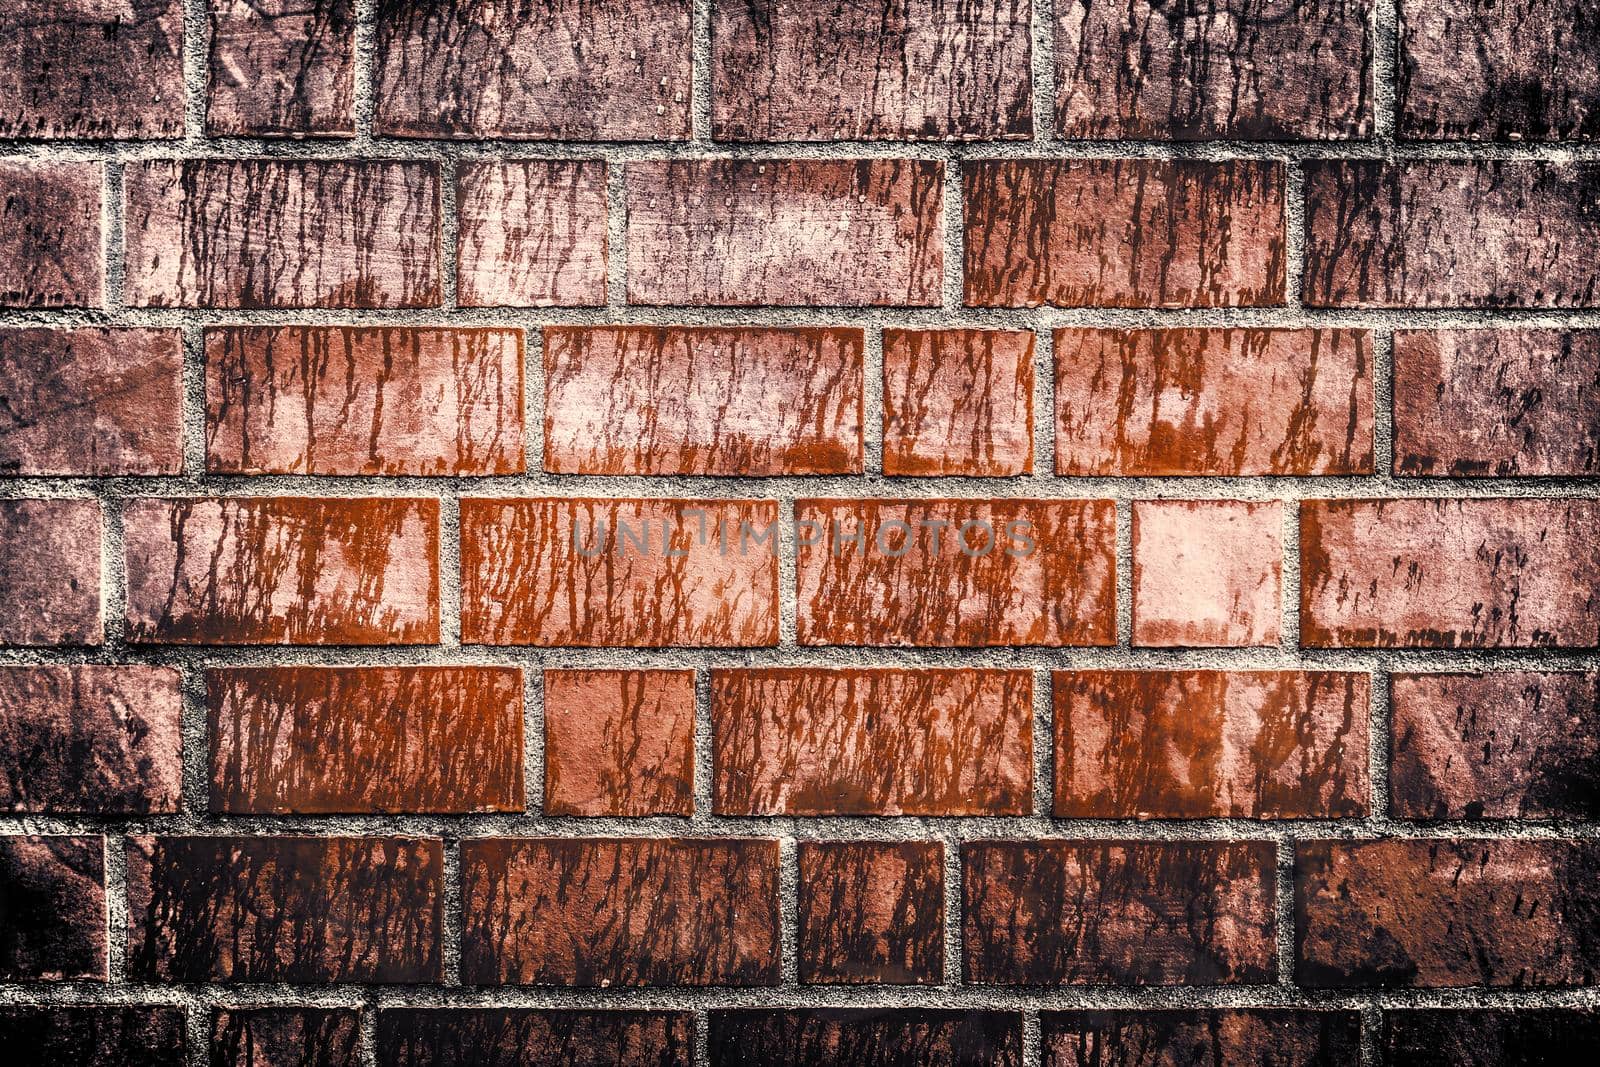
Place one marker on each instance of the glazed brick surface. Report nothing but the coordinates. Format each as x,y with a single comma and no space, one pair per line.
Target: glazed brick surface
50,235
309,1037
1480,1037
50,572
871,912
282,69
1206,572
1201,1038
866,1038
958,402
511,1037
531,233
55,907
619,742
109,1034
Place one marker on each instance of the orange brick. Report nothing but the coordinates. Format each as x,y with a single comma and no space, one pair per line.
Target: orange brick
958,402
619,742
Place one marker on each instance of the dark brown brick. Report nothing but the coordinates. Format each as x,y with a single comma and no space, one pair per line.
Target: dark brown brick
523,1037
871,912
291,1037
874,1037
50,572
102,1036
282,68
958,402
532,233
50,235
1200,1038
619,742
52,908
1491,1037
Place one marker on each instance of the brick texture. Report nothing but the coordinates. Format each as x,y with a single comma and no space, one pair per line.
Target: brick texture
1201,1038
1479,1036
55,908
619,742
50,235
50,572
282,69
519,1037
531,233
871,912
1206,572
870,1038
310,1037
958,402
136,1036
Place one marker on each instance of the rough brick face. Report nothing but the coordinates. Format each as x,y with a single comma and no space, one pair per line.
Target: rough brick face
1206,572
958,402
1491,1037
532,233
871,912
305,1037
55,908
50,235
282,68
619,742
875,1037
50,572
1201,1038
520,1037
106,1034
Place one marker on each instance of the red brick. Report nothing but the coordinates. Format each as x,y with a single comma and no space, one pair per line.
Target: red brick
265,233
526,1037
958,402
1437,233
838,232
302,1037
282,68
1488,1037
282,570
1496,402
1118,913
567,70
103,1034
1192,1038
1437,914
1167,744
1124,233
1206,572
55,908
1213,401
284,909
702,400
50,235
871,912
870,1037
1042,572
319,740
1496,573
619,571
614,912
92,739
50,572
532,233
809,741
348,400
1508,745
91,401
920,70
619,742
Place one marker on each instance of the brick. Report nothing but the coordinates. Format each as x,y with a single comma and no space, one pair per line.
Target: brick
319,740
568,70
1118,913
1213,402
871,912
1530,74
1169,1038
282,570
1491,1037
106,1034
956,573
1489,573
91,739
1436,233
304,1037
918,71
531,233
619,571
1164,744
619,742
55,908
1442,914
958,402
1507,745
88,69
1124,233
1497,402
273,233
809,741
619,912
1254,70
50,235
523,1037
285,909
873,1037
282,68
91,401
702,400
847,233
50,572
351,400
1206,572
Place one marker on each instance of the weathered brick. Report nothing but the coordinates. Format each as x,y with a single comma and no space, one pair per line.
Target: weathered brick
318,740
91,401
351,400
809,741
532,233
55,908
958,402
619,912
285,909
282,68
1437,233
301,1037
570,70
856,233
1118,913
1491,1037
273,233
1206,572
920,70
956,572
619,742
702,400
1167,1038
872,1037
1507,745
106,1034
1255,70
1499,573
1497,402
91,739
871,912
1164,744
523,1037
619,571
1124,233
1443,913
1213,401
282,570
50,235
50,572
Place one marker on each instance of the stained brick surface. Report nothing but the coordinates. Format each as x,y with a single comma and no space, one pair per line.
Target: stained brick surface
50,572
50,235
306,1037
871,912
958,402
134,1036
521,1037
619,742
1201,1038
531,233
284,68
869,1038
55,907
1206,572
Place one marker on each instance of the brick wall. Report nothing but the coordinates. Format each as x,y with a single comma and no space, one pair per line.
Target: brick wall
1259,337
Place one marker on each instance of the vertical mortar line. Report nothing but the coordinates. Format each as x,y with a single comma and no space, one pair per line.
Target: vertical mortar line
1383,408
702,1038
872,400
789,910
1380,739
366,50
1124,586
1032,1038
194,802
703,750
533,758
1044,401
449,233
700,75
450,566
788,587
367,1033
1043,744
196,60
1283,910
1385,46
451,907
113,575
194,397
616,233
1371,1034
113,237
954,209
1294,219
952,911
1043,48
116,893
1289,525
197,1031
533,400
